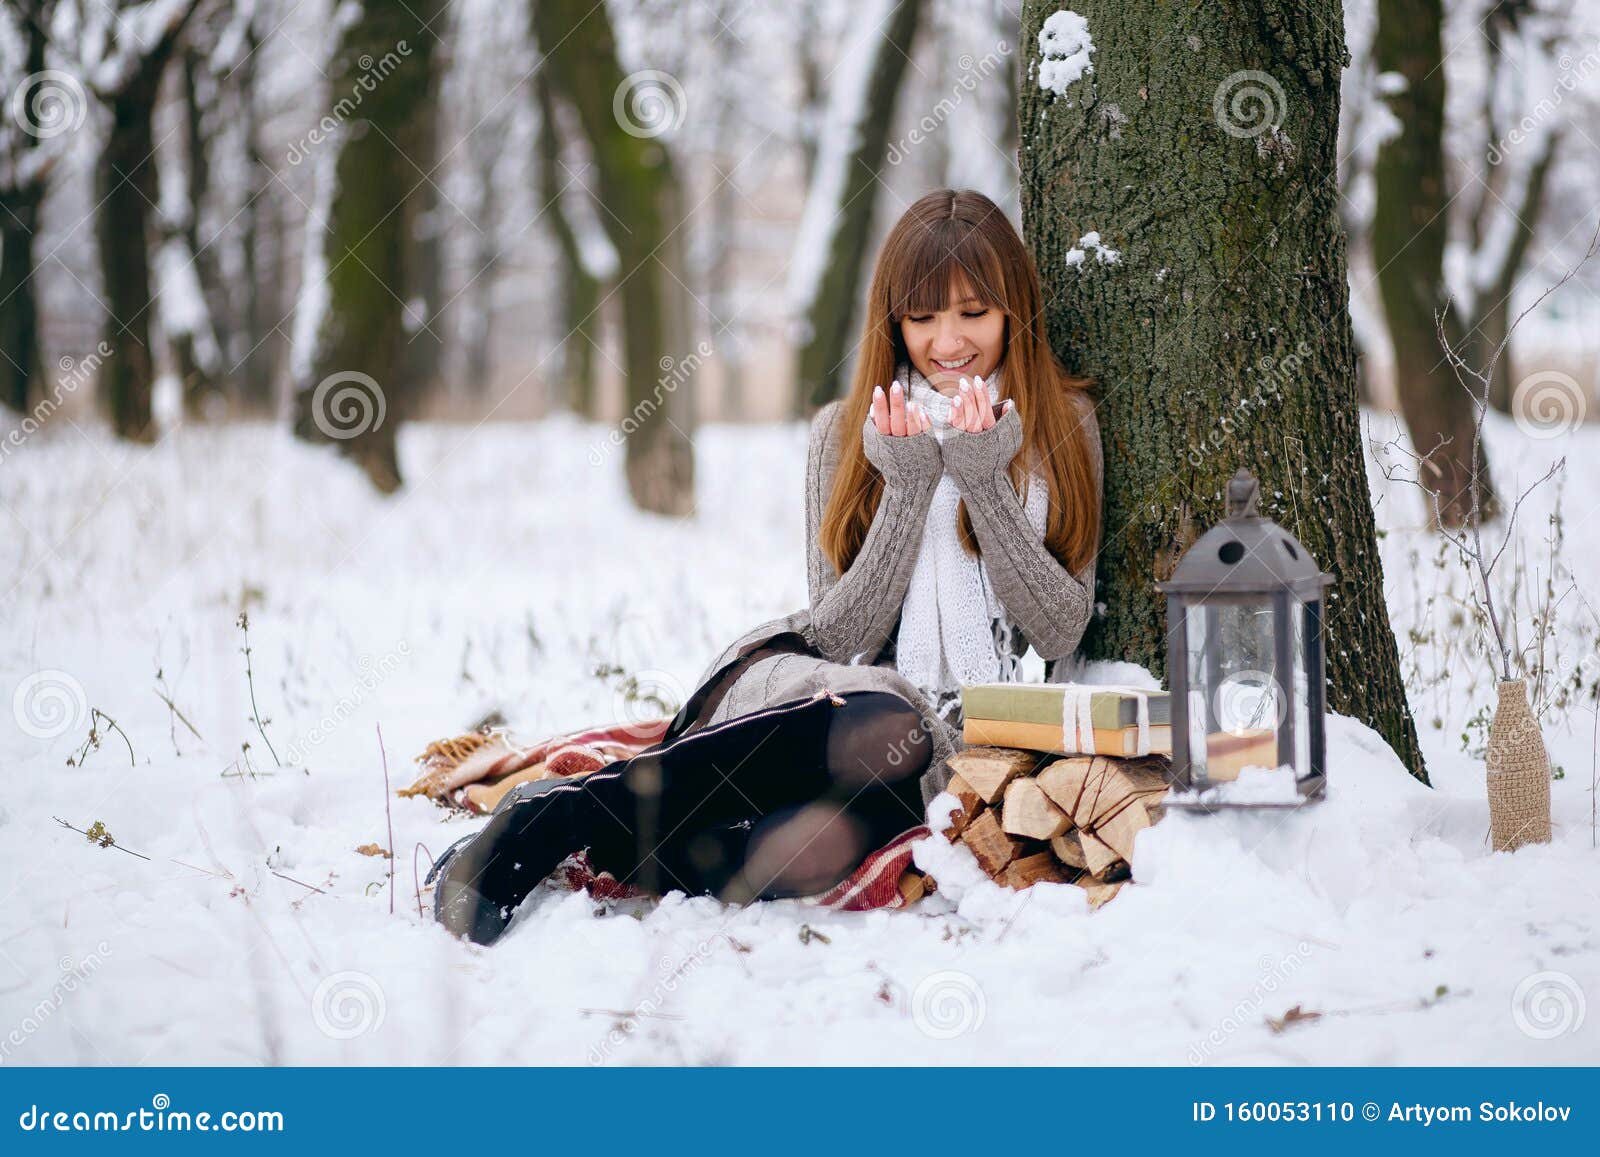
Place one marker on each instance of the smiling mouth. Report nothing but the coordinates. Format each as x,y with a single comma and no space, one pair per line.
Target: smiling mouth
956,365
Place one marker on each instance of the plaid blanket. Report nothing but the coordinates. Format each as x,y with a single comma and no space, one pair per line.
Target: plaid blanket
473,772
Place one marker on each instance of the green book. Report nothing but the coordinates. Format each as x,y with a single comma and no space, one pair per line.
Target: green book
1111,709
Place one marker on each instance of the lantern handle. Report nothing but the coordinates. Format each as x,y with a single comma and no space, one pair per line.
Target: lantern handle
1243,493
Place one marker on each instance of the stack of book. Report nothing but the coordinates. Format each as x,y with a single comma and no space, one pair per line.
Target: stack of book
1047,717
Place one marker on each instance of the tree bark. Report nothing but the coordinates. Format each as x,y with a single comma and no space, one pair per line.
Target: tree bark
1409,229
1220,336
830,339
21,192
639,188
356,394
579,305
125,186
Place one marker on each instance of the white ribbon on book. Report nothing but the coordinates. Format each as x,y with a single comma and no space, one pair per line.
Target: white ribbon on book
1077,716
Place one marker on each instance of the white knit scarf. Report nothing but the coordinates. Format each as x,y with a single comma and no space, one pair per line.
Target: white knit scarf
947,637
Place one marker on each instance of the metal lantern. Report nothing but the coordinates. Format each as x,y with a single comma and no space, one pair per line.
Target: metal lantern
1245,662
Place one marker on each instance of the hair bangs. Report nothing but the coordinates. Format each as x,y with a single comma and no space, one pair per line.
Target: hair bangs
944,264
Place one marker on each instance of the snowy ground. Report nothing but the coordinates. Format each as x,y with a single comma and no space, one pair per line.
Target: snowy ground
509,572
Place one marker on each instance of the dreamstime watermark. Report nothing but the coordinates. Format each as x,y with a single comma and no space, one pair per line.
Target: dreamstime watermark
49,104
1572,74
971,73
372,673
670,975
348,404
373,73
74,373
945,1005
649,103
1273,975
1548,404
348,1004
674,373
1546,1005
1249,103
74,973
1249,701
48,704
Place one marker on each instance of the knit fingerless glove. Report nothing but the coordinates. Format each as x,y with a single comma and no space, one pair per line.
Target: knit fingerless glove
902,459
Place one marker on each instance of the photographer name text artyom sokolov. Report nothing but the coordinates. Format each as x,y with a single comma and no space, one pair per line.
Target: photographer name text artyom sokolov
1483,1111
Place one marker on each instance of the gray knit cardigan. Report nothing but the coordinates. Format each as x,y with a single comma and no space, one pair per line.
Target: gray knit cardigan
841,641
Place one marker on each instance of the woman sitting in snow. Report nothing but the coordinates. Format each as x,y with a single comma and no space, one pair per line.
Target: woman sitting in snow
952,518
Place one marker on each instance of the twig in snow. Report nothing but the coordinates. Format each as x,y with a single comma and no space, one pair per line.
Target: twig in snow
100,836
172,708
389,818
249,676
92,743
416,881
292,880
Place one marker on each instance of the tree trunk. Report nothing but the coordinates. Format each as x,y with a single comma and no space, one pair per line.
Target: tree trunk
579,305
1409,228
19,319
639,189
355,393
126,189
253,365
20,375
1219,336
199,378
841,199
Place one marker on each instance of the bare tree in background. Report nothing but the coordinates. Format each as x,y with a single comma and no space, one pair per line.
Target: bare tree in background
31,140
624,119
125,50
831,244
351,387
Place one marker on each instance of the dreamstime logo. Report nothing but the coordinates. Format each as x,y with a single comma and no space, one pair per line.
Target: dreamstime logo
946,1005
674,373
347,405
1249,701
373,71
1548,404
48,704
373,672
1249,103
73,974
971,73
643,698
74,373
649,103
346,1005
1272,975
48,104
1547,1005
1572,75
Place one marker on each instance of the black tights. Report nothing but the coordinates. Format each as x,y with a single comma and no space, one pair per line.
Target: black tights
784,827
780,802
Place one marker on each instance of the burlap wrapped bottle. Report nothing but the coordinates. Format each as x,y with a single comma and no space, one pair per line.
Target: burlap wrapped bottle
1519,772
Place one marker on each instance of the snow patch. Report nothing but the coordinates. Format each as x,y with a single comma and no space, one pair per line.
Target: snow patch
1090,243
1065,47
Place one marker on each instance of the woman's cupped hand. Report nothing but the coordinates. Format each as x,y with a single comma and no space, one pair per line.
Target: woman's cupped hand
971,411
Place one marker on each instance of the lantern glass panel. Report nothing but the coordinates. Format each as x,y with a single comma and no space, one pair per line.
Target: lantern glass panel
1302,697
1238,697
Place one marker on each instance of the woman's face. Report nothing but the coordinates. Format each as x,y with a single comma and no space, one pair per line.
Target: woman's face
963,340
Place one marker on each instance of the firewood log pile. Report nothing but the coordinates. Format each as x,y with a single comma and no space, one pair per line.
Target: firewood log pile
1028,816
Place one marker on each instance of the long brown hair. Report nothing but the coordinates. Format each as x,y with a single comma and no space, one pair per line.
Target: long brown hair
950,237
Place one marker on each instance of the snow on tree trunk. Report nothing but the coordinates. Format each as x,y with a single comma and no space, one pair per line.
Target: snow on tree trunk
1409,229
1198,147
350,380
624,119
830,250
